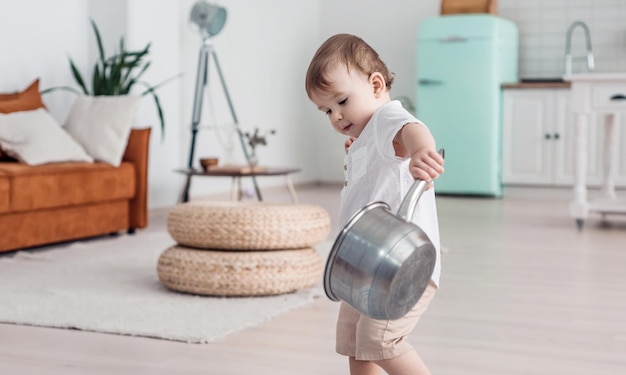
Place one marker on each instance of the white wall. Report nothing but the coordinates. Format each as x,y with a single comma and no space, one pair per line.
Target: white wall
111,17
264,50
157,22
36,42
543,25
391,28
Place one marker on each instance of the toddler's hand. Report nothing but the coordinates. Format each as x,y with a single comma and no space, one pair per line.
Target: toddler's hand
348,143
427,165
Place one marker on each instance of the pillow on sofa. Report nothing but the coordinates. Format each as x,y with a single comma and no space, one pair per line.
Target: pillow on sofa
102,124
35,137
26,100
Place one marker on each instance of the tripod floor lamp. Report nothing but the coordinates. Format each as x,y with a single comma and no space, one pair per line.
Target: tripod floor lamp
210,20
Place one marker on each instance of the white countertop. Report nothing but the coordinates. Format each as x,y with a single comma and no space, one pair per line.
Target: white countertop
606,76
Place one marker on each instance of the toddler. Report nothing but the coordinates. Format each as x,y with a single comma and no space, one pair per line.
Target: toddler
387,148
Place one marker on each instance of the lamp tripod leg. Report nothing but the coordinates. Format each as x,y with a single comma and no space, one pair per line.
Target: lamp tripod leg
232,112
201,81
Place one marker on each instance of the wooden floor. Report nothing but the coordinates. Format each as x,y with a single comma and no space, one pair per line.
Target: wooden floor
522,292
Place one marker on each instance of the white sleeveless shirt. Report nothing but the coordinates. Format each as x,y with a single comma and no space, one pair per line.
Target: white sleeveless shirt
374,174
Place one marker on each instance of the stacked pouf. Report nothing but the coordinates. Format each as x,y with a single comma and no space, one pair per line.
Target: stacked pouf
243,249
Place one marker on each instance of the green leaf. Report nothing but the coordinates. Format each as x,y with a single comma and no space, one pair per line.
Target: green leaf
155,87
78,77
116,75
142,71
160,112
96,81
99,41
66,88
150,90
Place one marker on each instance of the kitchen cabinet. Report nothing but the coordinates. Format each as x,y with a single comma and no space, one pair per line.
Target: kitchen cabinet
538,139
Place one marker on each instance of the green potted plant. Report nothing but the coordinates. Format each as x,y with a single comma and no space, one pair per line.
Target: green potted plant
117,75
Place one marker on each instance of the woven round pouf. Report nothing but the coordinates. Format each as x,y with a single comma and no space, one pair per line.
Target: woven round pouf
238,273
247,226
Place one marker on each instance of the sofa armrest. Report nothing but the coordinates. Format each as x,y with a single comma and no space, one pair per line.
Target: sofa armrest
137,153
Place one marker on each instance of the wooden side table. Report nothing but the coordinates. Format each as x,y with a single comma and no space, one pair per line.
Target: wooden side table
236,173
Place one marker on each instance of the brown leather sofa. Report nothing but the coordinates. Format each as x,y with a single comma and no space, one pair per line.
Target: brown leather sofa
59,202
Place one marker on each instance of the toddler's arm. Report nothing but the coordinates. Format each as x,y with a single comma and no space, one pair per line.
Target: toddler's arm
415,140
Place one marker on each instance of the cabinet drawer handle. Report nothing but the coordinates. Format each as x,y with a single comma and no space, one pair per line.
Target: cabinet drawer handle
618,97
548,136
557,136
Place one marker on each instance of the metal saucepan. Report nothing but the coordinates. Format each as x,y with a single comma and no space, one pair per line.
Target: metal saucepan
381,263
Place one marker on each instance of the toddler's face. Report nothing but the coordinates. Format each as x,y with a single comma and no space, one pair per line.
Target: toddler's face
351,101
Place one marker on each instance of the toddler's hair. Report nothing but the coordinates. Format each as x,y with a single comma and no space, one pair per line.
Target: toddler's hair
348,50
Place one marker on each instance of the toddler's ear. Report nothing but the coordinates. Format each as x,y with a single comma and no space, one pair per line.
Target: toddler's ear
378,83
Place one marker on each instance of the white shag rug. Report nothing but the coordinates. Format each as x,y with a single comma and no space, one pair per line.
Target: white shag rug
110,285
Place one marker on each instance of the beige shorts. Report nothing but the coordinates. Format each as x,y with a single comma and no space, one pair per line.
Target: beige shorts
368,339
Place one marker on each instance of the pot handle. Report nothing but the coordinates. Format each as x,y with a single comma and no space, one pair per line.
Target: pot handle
407,207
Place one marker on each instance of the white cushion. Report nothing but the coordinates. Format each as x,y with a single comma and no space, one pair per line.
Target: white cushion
102,124
35,137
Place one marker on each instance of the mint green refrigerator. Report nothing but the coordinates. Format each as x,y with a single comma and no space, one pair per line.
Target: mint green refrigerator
462,61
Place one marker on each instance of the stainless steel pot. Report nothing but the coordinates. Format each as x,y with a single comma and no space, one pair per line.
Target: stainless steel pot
381,263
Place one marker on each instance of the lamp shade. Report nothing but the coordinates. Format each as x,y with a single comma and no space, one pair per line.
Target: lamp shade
209,18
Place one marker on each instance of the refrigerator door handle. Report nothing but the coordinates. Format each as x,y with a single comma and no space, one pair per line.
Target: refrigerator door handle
429,82
453,39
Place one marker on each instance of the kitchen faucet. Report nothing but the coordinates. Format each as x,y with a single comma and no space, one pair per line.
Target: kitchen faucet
568,47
